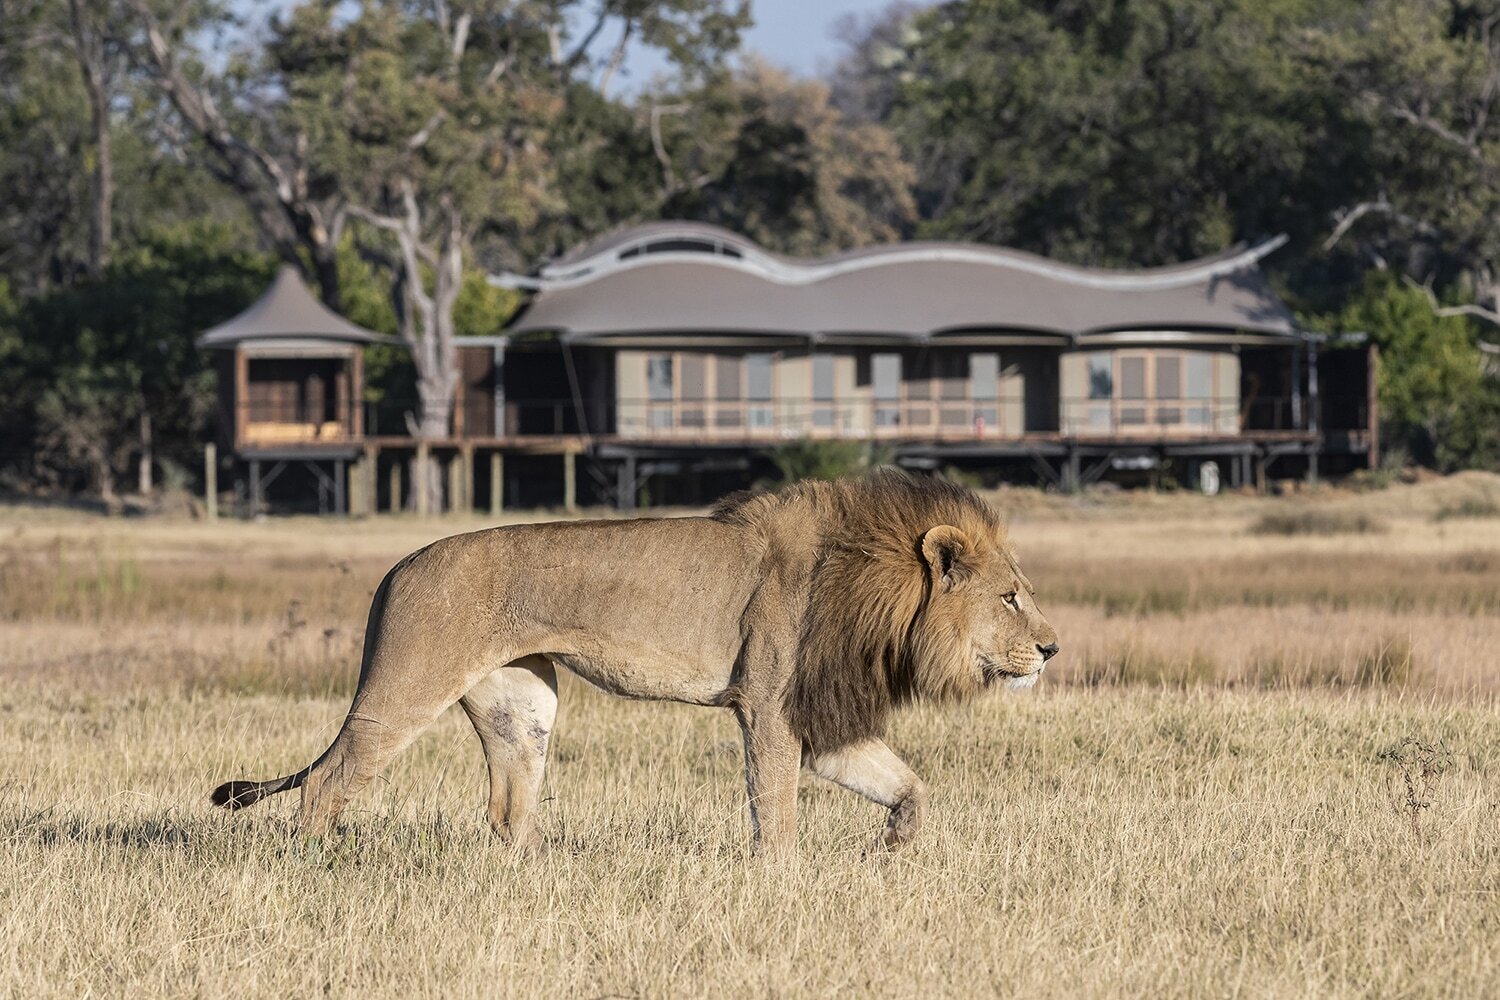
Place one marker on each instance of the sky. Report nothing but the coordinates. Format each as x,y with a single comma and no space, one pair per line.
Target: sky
797,35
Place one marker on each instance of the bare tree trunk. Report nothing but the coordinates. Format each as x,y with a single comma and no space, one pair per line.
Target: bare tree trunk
273,184
426,319
143,469
88,48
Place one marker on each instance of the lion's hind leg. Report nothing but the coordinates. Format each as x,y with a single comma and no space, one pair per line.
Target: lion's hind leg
870,769
513,709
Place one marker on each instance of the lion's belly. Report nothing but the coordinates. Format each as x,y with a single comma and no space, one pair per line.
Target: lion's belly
651,675
643,609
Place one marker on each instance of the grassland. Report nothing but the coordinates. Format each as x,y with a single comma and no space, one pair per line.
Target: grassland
1195,802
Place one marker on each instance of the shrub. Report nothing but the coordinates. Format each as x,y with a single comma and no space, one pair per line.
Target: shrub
808,459
1485,506
1317,521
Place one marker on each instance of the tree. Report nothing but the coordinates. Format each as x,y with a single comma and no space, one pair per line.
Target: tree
97,42
1126,134
109,367
1426,75
424,121
769,156
43,139
250,147
1434,393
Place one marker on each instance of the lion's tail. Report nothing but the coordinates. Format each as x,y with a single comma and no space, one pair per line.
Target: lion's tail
234,795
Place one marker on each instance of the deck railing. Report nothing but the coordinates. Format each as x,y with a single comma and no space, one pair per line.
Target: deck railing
771,421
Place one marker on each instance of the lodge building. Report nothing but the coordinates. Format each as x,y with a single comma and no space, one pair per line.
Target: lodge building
665,360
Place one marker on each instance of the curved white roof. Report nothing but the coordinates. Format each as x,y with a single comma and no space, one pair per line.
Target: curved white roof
694,278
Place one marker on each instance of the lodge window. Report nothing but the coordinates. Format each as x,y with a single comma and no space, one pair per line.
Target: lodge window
695,391
1148,389
822,391
885,374
959,390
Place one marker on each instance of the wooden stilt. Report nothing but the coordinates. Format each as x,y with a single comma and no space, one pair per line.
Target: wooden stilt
211,481
497,483
395,488
467,454
422,479
570,482
456,483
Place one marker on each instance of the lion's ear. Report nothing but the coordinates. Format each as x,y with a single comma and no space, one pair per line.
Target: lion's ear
948,553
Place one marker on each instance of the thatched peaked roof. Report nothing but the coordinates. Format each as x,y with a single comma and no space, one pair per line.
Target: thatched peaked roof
288,311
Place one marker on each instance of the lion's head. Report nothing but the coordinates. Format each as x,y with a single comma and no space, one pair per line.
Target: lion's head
980,609
915,593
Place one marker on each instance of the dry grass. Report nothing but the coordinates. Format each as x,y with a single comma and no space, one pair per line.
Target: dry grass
1195,802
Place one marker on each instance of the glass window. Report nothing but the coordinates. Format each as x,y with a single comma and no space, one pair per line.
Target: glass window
1101,375
758,376
694,376
727,377
885,373
1168,376
1133,378
1200,376
984,376
659,377
822,372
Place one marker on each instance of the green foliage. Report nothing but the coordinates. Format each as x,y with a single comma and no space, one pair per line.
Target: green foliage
1434,393
786,168
826,459
1125,133
98,355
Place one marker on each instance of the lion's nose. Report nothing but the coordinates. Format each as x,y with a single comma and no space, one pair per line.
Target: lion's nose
1048,651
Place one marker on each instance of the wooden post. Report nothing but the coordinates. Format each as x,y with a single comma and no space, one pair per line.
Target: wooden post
466,455
395,487
370,485
211,481
356,489
241,395
420,484
456,483
497,483
570,482
254,487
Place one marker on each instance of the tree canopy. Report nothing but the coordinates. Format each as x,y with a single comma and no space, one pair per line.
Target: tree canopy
398,150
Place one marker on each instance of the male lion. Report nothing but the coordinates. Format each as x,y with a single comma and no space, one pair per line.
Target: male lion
810,613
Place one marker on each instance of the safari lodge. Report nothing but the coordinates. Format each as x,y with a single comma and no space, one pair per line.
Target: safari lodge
665,362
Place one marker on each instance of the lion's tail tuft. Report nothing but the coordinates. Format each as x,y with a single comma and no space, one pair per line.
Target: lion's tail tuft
234,795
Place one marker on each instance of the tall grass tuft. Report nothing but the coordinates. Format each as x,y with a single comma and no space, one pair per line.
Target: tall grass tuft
1317,521
1469,507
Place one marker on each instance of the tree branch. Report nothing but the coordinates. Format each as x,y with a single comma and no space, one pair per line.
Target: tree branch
582,48
657,111
1477,311
1425,121
615,59
1347,217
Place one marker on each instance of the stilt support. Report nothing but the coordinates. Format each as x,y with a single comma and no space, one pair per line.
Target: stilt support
211,481
497,483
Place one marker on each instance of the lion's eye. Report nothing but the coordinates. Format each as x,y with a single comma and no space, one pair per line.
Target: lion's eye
1010,599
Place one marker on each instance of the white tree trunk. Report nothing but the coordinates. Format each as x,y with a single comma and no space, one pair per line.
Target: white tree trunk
148,454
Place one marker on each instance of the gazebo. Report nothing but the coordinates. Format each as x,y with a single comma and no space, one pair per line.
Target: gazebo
291,382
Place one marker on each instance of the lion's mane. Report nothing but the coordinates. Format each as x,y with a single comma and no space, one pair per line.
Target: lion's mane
870,638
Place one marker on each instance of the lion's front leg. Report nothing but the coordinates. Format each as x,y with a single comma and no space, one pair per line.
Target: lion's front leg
870,769
772,764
